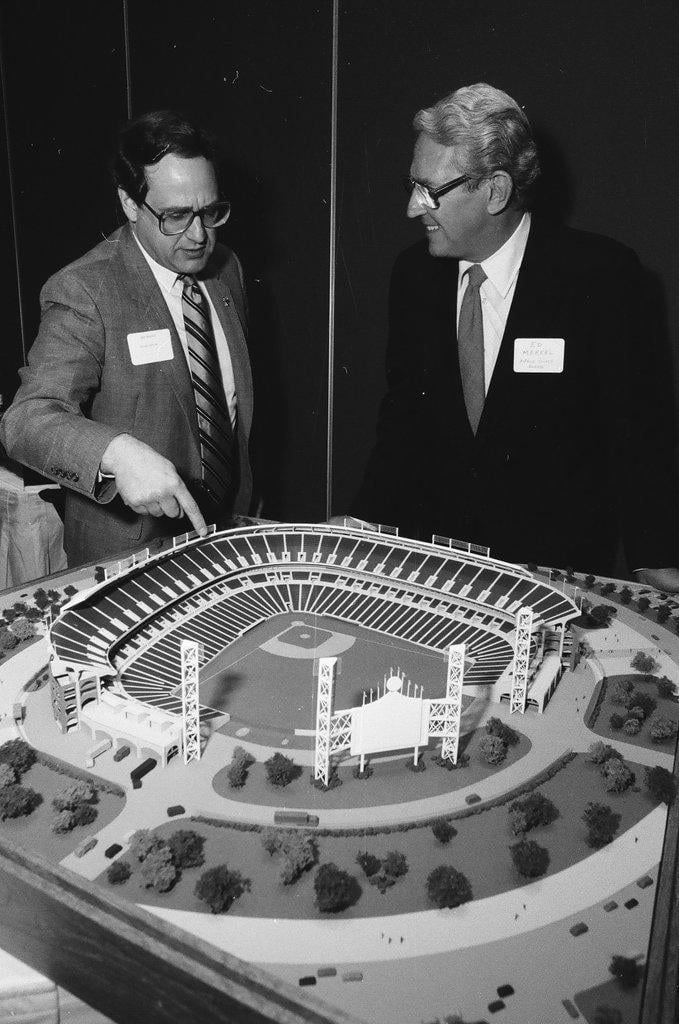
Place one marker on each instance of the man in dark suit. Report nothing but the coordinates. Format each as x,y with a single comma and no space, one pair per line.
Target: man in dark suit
137,396
524,405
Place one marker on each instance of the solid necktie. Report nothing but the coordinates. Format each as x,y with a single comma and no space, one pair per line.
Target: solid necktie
470,346
214,424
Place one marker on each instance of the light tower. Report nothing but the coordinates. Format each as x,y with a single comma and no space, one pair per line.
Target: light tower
524,628
327,671
445,715
192,655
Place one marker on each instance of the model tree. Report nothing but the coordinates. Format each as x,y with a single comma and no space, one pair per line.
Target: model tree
119,872
301,853
665,688
663,613
443,830
493,749
531,811
632,727
241,762
643,603
660,784
158,871
447,887
22,628
18,754
220,887
75,795
496,727
395,864
644,663
616,721
626,970
143,842
186,848
602,823
368,862
17,801
645,701
600,616
7,775
335,889
618,777
600,752
530,859
625,595
281,770
662,729
622,692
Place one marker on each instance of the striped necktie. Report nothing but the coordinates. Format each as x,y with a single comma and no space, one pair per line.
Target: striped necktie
214,424
470,346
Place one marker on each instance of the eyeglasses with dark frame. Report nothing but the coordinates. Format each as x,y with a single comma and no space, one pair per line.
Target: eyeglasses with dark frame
176,222
429,197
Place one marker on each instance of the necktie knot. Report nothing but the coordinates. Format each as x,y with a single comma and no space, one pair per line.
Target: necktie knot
476,275
189,283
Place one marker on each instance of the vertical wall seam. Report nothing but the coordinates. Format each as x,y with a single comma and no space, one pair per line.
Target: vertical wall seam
332,261
128,60
12,199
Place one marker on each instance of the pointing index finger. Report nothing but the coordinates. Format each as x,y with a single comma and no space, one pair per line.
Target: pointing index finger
190,508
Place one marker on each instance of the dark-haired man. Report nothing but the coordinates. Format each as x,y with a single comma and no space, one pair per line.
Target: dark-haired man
524,407
137,396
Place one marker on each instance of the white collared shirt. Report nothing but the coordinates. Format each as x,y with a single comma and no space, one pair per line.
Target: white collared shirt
497,291
171,287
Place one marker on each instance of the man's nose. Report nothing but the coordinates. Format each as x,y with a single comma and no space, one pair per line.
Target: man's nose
415,205
196,230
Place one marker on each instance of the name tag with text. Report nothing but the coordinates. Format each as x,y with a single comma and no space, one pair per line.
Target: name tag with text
539,355
150,347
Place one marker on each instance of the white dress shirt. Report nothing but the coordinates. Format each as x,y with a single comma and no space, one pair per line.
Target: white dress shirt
497,291
171,287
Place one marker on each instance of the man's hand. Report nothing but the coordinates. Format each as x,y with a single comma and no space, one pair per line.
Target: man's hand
148,483
666,580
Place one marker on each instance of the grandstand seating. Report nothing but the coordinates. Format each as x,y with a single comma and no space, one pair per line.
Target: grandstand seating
218,588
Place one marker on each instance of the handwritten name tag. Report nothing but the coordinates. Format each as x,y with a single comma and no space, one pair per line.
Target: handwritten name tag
539,355
150,347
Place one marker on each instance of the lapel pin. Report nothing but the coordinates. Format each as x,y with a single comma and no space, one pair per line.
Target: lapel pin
226,300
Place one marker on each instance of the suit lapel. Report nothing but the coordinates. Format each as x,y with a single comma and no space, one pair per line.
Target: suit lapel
227,312
536,298
146,293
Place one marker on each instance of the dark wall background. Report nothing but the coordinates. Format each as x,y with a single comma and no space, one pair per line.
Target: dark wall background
598,81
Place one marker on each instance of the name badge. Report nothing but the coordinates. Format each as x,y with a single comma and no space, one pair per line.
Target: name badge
539,355
150,347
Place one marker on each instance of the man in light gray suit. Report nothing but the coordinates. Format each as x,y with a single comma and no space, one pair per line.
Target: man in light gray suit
137,397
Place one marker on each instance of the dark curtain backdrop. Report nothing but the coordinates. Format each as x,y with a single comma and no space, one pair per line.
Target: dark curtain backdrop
598,81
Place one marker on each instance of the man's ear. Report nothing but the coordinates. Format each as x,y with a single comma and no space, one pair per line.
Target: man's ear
500,189
130,208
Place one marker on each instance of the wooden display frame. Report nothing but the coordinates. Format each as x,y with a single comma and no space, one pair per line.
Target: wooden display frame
130,965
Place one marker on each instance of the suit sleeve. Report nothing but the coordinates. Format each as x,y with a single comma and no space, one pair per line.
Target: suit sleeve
391,490
639,418
47,426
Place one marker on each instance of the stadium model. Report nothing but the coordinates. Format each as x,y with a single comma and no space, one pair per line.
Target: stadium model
129,628
360,654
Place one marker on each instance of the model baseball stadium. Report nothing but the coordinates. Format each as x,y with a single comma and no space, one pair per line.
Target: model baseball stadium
444,775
